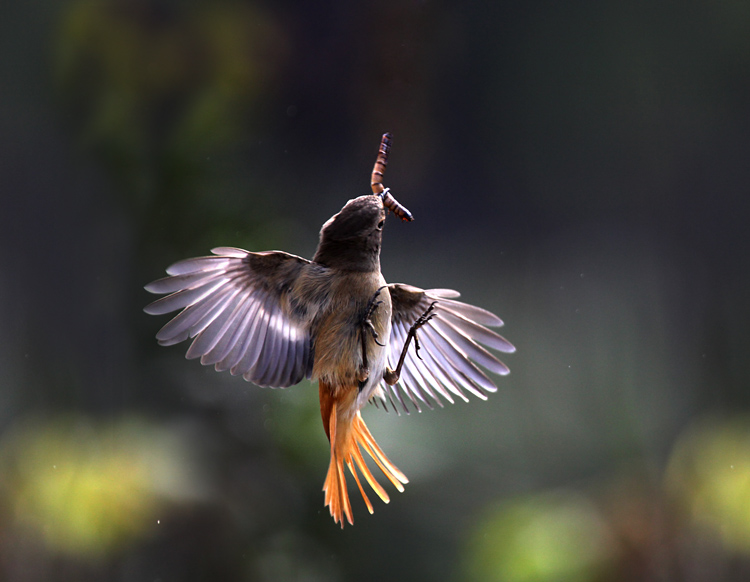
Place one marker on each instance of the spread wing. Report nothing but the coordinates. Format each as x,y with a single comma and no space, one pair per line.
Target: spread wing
234,305
450,348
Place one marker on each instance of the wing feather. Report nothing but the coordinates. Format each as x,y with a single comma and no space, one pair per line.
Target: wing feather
199,265
471,349
205,342
184,297
477,332
179,282
235,307
229,333
253,343
455,348
261,344
418,378
287,362
278,367
193,319
261,371
238,342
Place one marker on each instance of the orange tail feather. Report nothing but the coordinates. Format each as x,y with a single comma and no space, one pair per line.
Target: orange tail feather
348,433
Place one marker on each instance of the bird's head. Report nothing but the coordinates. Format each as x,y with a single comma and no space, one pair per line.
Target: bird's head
351,238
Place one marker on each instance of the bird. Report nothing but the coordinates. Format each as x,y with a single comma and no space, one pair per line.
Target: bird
276,318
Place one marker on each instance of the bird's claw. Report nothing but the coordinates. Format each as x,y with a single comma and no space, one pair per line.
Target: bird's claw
372,305
421,320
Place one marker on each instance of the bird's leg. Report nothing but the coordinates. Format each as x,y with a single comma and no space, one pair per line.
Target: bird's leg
392,376
372,305
367,326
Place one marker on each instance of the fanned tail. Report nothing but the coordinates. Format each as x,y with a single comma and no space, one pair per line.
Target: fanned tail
349,436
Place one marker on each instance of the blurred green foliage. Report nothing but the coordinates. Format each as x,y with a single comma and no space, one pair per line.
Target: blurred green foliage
709,474
555,536
87,489
155,86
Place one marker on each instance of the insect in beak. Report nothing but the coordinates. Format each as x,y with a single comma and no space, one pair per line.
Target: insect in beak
376,182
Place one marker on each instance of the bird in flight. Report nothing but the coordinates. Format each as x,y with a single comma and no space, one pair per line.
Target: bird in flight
275,318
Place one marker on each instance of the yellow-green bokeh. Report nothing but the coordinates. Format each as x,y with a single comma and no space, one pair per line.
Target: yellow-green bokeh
540,538
88,489
709,475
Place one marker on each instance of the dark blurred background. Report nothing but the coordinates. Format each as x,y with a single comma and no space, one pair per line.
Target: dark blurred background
579,168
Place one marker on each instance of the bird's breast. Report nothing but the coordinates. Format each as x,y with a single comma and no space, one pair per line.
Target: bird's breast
338,333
